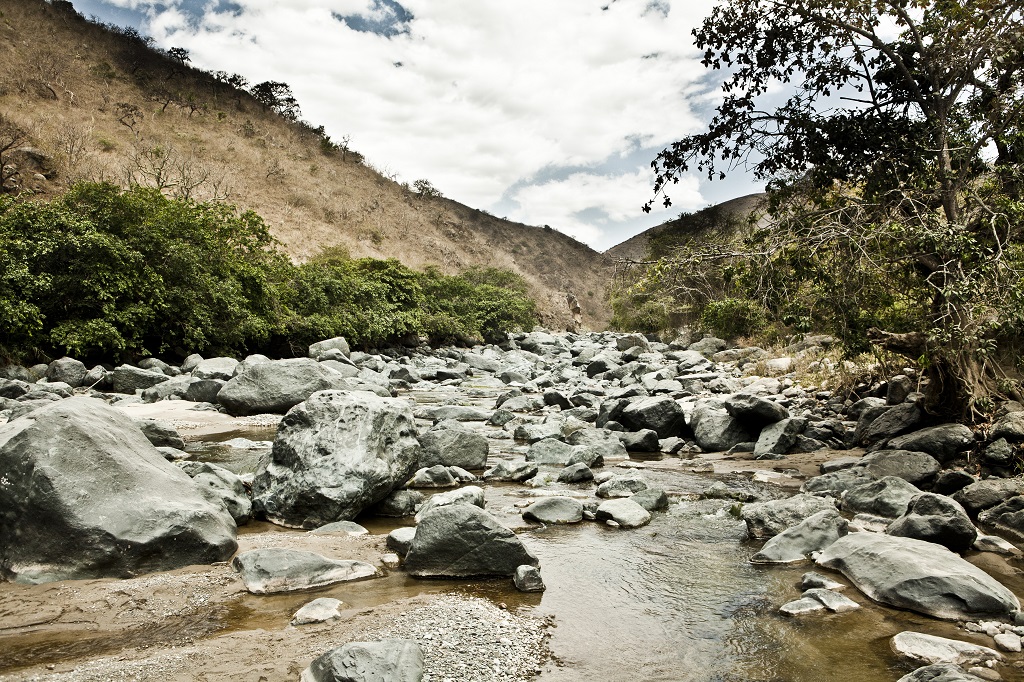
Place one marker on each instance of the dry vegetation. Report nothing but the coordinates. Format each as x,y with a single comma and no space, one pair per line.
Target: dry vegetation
101,107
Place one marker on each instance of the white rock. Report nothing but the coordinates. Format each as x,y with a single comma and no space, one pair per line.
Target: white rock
929,649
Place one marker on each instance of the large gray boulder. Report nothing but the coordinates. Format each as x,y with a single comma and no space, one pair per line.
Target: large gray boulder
661,414
216,368
624,512
921,648
985,494
836,482
128,379
392,660
273,570
895,421
86,495
449,443
715,430
919,576
1006,517
888,497
464,541
221,486
942,442
913,467
813,534
766,519
334,455
321,348
469,494
277,386
554,510
68,370
776,439
936,518
754,412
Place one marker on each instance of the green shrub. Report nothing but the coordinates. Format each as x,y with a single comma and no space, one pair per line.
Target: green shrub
733,317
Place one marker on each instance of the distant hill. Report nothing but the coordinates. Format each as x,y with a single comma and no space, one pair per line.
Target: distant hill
100,104
686,226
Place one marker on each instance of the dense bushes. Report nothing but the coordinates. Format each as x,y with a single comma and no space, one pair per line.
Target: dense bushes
108,273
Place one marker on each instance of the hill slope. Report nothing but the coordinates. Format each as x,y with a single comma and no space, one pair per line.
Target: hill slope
97,104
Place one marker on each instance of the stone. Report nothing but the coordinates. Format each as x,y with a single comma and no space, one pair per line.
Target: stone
800,607
391,660
913,467
949,481
191,362
433,477
625,512
661,414
794,544
651,499
172,389
1010,427
398,504
942,442
982,495
464,541
604,445
554,510
400,539
998,453
645,440
335,454
67,370
318,349
709,345
893,422
996,544
527,579
898,388
1006,517
754,412
929,649
715,430
776,439
277,386
128,379
836,482
936,518
767,519
216,368
203,390
349,528
469,494
511,471
918,576
940,672
221,486
576,473
833,601
274,570
1008,641
318,611
621,486
160,434
889,497
86,495
811,580
550,451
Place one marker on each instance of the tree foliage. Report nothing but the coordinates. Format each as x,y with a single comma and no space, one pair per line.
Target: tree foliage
114,274
277,97
894,167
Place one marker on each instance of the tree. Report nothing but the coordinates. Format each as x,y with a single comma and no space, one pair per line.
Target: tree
426,189
277,97
11,137
894,168
179,54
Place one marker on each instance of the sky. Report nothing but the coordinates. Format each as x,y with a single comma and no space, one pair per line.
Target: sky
546,112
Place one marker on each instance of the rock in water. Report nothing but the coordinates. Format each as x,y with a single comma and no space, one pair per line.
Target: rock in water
765,519
814,533
334,455
277,386
273,570
86,495
929,649
393,660
464,541
318,611
919,576
940,672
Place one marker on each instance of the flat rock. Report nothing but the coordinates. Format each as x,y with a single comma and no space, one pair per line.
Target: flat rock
929,649
919,576
913,467
940,672
766,519
555,510
318,611
942,442
391,660
469,494
813,534
889,497
800,607
273,570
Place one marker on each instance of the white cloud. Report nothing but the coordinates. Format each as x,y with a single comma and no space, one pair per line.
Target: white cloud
489,92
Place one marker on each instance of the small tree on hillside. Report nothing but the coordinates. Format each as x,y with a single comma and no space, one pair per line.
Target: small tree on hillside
896,167
277,97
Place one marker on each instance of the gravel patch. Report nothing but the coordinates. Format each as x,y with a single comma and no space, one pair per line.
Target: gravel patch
468,639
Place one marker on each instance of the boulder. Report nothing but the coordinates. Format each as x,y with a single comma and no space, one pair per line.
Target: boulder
888,497
836,482
318,611
320,348
68,370
603,444
833,601
349,528
651,499
392,660
998,453
216,368
335,455
936,518
661,414
469,494
128,379
398,504
621,486
554,510
987,493
918,576
160,434
437,476
203,390
1006,517
86,495
715,430
576,473
274,570
950,481
550,451
894,421
913,467
400,539
941,672
277,386
527,579
222,487
1010,427
174,388
766,519
645,440
754,412
624,512
942,442
813,534
511,471
464,541
776,439
925,649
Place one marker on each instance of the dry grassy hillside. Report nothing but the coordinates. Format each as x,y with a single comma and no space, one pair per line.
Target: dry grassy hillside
637,247
99,105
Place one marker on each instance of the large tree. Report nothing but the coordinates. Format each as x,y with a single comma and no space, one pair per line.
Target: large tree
889,134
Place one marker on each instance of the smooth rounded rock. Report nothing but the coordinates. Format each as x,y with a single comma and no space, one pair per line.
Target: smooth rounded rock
554,510
273,570
391,660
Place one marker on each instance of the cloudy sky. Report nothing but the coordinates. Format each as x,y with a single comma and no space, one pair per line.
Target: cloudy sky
547,112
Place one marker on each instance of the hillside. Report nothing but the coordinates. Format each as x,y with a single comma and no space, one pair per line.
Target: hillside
638,247
96,104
